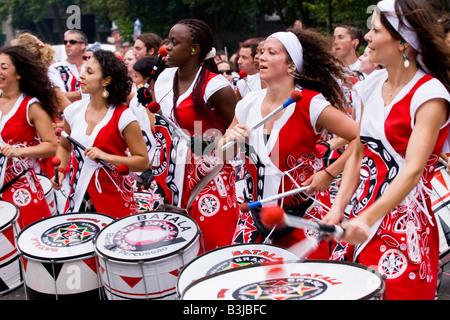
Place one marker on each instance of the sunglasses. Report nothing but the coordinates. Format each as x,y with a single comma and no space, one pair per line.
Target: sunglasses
86,58
72,42
228,72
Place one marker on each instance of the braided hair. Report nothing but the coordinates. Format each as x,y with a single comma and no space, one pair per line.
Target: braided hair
202,35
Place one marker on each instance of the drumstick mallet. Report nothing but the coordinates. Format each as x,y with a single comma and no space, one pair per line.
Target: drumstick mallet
296,96
65,135
275,216
125,171
56,162
247,206
243,75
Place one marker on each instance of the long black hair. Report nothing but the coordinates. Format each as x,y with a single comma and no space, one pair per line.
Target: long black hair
202,35
34,80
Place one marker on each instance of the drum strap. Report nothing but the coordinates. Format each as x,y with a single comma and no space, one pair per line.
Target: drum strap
10,183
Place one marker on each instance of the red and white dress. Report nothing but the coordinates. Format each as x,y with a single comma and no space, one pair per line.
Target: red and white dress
285,161
404,245
177,170
26,192
111,193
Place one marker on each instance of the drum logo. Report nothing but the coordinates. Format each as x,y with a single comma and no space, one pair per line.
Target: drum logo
69,234
298,288
147,235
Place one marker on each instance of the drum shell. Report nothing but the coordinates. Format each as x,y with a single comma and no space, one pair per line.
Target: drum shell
58,258
153,280
230,257
140,255
10,271
306,280
61,280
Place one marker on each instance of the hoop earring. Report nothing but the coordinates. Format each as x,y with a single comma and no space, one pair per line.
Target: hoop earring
105,93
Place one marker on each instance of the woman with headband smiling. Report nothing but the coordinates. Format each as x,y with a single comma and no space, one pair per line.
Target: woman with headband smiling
281,155
404,126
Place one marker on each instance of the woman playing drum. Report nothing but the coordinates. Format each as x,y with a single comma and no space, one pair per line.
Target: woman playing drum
403,129
281,154
108,130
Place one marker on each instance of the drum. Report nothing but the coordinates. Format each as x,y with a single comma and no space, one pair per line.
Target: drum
307,280
141,255
146,201
230,257
58,257
49,193
10,273
440,203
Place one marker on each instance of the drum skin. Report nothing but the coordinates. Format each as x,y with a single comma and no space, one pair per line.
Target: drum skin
230,257
306,280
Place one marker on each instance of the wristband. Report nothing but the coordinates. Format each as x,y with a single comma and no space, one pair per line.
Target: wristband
329,173
61,170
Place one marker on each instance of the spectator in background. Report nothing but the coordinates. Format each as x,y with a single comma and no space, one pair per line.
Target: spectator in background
146,44
347,39
66,74
129,59
225,69
246,63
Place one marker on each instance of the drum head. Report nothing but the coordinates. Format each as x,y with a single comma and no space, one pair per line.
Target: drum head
231,257
311,279
63,237
8,214
45,183
147,236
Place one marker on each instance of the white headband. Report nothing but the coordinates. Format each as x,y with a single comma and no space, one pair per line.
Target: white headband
293,47
405,30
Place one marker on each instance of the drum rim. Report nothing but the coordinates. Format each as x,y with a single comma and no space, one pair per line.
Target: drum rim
101,254
377,292
14,218
43,175
62,259
226,247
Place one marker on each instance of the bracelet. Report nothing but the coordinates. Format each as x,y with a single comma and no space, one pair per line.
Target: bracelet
61,170
329,173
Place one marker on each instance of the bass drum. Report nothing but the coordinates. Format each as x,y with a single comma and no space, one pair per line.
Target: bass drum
307,280
58,257
230,257
141,255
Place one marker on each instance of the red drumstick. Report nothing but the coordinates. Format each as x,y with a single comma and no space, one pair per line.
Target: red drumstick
56,162
243,75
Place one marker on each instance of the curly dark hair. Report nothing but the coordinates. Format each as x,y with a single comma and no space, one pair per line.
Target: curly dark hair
120,86
322,72
33,80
